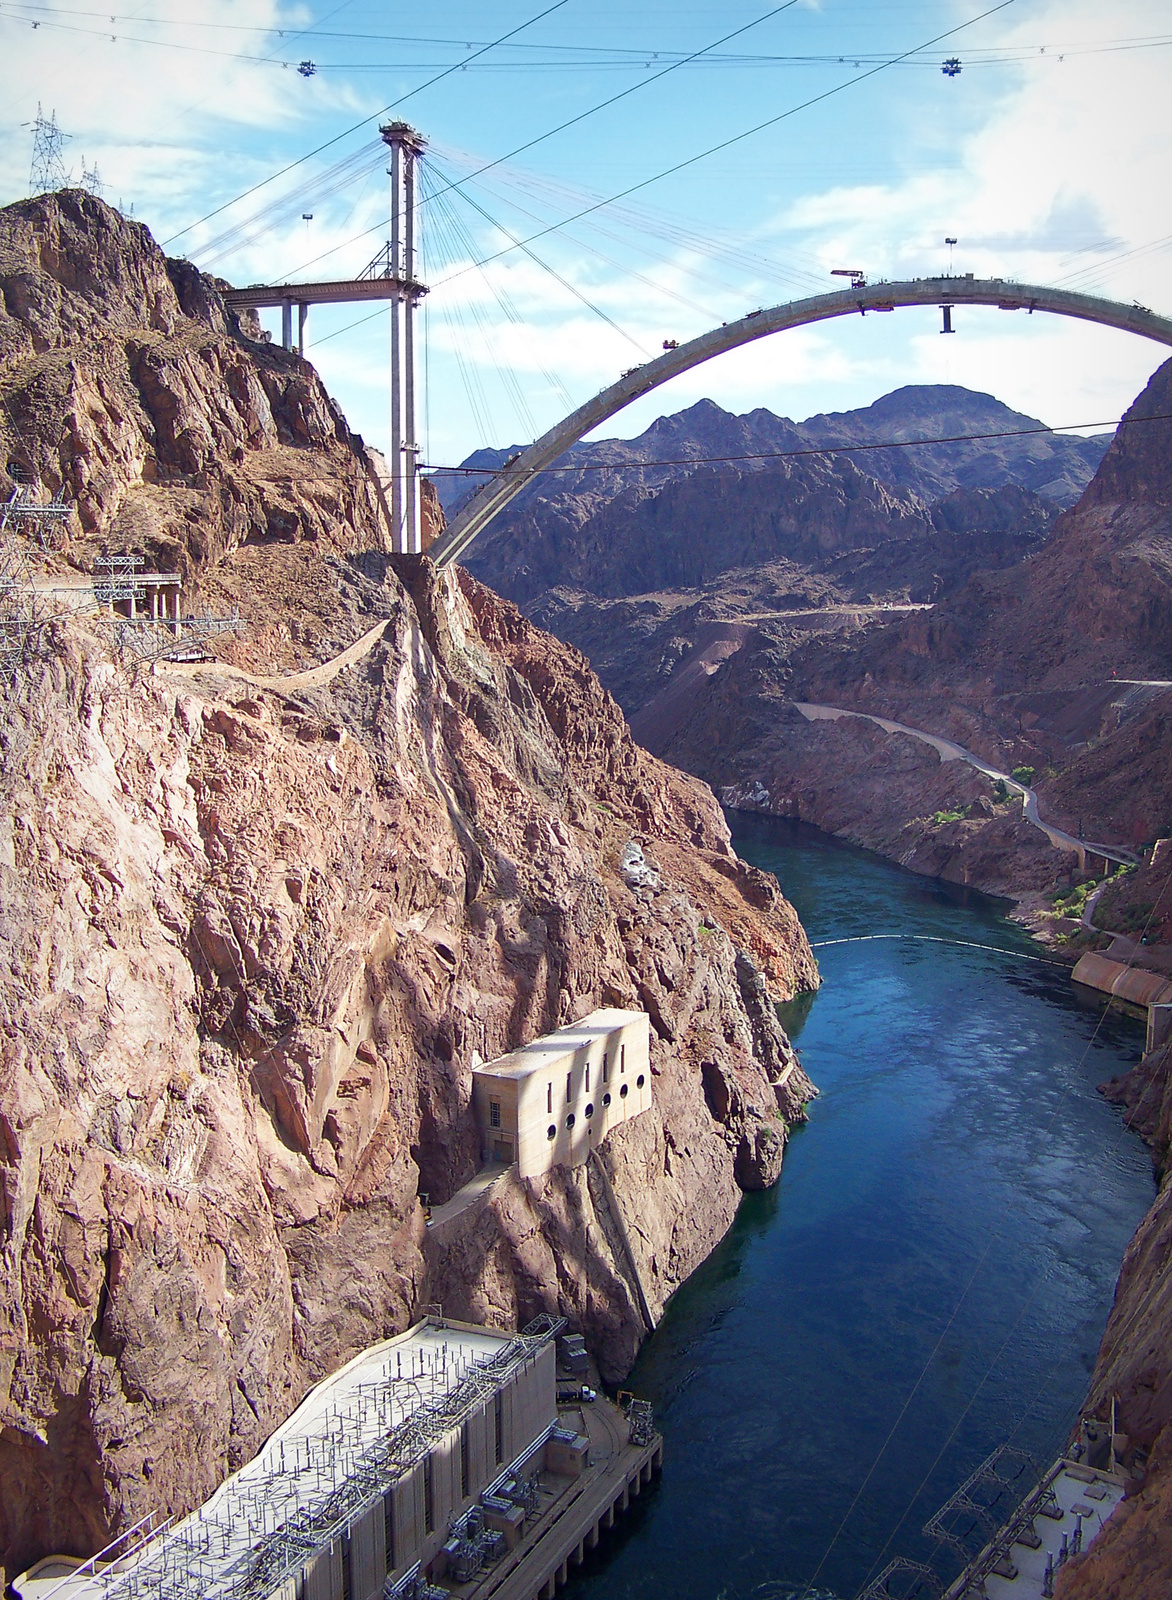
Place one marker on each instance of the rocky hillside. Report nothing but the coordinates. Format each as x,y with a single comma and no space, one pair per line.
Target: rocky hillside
625,517
1061,663
1133,1557
260,920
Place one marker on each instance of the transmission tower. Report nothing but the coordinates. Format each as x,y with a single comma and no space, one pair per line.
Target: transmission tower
22,616
91,179
48,169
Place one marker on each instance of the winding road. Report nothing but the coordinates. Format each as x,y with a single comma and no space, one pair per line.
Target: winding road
949,750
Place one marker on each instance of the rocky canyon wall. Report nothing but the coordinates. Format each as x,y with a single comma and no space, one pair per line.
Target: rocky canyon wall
256,933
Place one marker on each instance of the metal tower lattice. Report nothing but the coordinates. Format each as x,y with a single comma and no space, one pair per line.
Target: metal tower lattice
48,166
21,611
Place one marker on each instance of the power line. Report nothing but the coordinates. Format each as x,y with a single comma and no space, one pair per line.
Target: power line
561,128
748,133
557,6
582,55
811,450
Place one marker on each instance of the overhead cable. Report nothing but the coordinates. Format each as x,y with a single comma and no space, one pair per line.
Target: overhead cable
819,450
748,133
580,116
419,88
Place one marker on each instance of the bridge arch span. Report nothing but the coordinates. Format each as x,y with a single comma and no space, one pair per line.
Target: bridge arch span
494,495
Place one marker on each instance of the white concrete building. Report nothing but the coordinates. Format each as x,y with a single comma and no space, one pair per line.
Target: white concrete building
551,1102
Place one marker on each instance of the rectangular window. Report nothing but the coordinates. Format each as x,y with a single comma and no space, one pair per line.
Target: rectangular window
549,1097
588,1077
494,1113
389,1528
499,1418
428,1499
605,1065
622,1058
569,1087
465,1462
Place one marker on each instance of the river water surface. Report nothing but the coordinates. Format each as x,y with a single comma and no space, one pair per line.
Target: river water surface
954,1213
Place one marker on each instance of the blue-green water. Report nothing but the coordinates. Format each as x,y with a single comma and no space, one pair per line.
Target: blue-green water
956,1208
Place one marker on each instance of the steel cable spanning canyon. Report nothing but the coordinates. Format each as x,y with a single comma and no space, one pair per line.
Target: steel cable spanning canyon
946,292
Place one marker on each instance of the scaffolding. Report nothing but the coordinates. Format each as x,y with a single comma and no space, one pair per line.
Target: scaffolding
260,1529
178,639
115,578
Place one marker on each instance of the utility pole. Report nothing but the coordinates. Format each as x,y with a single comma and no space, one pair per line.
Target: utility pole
406,147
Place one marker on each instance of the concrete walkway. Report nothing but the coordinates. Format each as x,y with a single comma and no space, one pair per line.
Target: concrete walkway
463,1199
948,750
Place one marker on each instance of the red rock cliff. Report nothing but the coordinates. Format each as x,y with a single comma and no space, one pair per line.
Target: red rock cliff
257,932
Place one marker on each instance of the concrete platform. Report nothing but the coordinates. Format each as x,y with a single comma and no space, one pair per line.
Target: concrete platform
573,1512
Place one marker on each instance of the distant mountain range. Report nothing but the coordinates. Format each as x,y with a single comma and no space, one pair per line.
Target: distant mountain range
631,516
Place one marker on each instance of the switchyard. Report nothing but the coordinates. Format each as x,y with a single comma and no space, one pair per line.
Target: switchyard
436,1463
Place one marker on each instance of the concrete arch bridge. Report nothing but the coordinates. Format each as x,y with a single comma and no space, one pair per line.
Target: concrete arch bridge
946,292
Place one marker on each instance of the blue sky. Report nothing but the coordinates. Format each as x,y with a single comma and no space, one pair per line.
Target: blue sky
1046,157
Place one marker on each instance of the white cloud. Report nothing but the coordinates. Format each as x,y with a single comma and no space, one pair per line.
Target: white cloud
1053,171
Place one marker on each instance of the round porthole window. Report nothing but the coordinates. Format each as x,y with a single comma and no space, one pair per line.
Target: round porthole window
570,1120
640,1081
623,1090
606,1099
589,1111
551,1132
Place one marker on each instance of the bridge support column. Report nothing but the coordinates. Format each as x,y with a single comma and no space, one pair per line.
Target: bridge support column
287,325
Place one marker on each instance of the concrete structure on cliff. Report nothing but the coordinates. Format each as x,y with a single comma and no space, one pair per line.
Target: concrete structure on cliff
553,1101
438,1456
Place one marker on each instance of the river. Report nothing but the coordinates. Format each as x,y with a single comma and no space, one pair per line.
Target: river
953,1217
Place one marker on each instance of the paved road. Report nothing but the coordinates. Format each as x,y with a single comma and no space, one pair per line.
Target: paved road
948,750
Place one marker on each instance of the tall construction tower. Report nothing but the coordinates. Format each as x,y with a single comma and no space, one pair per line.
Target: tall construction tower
406,147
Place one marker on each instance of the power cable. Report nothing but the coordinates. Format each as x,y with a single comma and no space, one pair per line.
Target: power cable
419,88
812,450
618,56
748,133
580,117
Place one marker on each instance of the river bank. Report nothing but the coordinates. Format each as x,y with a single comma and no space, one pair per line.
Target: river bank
933,1222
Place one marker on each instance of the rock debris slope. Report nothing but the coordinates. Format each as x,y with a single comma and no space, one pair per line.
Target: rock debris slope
254,941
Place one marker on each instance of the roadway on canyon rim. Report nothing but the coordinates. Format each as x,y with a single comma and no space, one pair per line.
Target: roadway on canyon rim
949,750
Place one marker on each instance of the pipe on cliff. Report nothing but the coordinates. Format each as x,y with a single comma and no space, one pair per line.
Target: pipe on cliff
625,1239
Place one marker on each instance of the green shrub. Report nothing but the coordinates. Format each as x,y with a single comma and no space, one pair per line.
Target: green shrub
1024,775
946,816
1000,792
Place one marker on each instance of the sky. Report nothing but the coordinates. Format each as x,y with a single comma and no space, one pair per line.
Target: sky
1045,158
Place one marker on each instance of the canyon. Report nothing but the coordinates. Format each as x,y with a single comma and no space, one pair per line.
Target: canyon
264,912
257,932
1054,656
